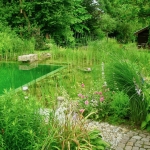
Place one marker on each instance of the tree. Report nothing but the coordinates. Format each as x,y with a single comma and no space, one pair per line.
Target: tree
108,24
127,16
57,18
95,9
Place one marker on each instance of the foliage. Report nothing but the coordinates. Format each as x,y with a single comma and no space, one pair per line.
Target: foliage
62,20
75,136
97,51
110,53
11,43
96,141
97,98
24,124
129,17
93,23
124,32
71,129
20,122
120,106
146,122
55,19
108,24
124,76
95,101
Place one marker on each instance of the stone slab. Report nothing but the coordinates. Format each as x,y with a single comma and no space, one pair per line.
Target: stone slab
28,58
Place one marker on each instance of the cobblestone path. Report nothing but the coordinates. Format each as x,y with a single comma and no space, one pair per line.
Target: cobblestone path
122,138
135,141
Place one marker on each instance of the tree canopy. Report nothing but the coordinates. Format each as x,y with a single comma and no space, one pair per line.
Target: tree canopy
63,19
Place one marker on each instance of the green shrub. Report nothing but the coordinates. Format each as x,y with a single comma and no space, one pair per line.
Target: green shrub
96,140
95,100
120,105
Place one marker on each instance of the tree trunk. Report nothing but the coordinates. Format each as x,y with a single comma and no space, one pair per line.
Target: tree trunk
25,16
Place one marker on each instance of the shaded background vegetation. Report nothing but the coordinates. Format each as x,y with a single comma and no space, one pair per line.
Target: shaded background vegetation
69,22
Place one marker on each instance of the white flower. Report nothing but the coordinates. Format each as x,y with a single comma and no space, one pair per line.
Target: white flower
24,88
89,69
139,91
60,114
26,97
94,102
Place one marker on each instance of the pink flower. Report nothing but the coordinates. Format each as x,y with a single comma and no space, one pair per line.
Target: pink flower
100,93
83,85
82,110
101,99
96,92
80,95
86,102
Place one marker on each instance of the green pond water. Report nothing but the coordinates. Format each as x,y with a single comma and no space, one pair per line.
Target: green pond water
13,75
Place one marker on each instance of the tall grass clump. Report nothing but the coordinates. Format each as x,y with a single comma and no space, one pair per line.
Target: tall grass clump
12,45
21,125
122,75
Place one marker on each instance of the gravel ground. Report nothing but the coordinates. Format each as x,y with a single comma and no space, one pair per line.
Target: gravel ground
122,138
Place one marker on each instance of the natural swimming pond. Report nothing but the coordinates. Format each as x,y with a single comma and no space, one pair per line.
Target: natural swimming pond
13,75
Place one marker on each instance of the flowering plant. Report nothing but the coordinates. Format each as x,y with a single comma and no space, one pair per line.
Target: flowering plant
94,101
